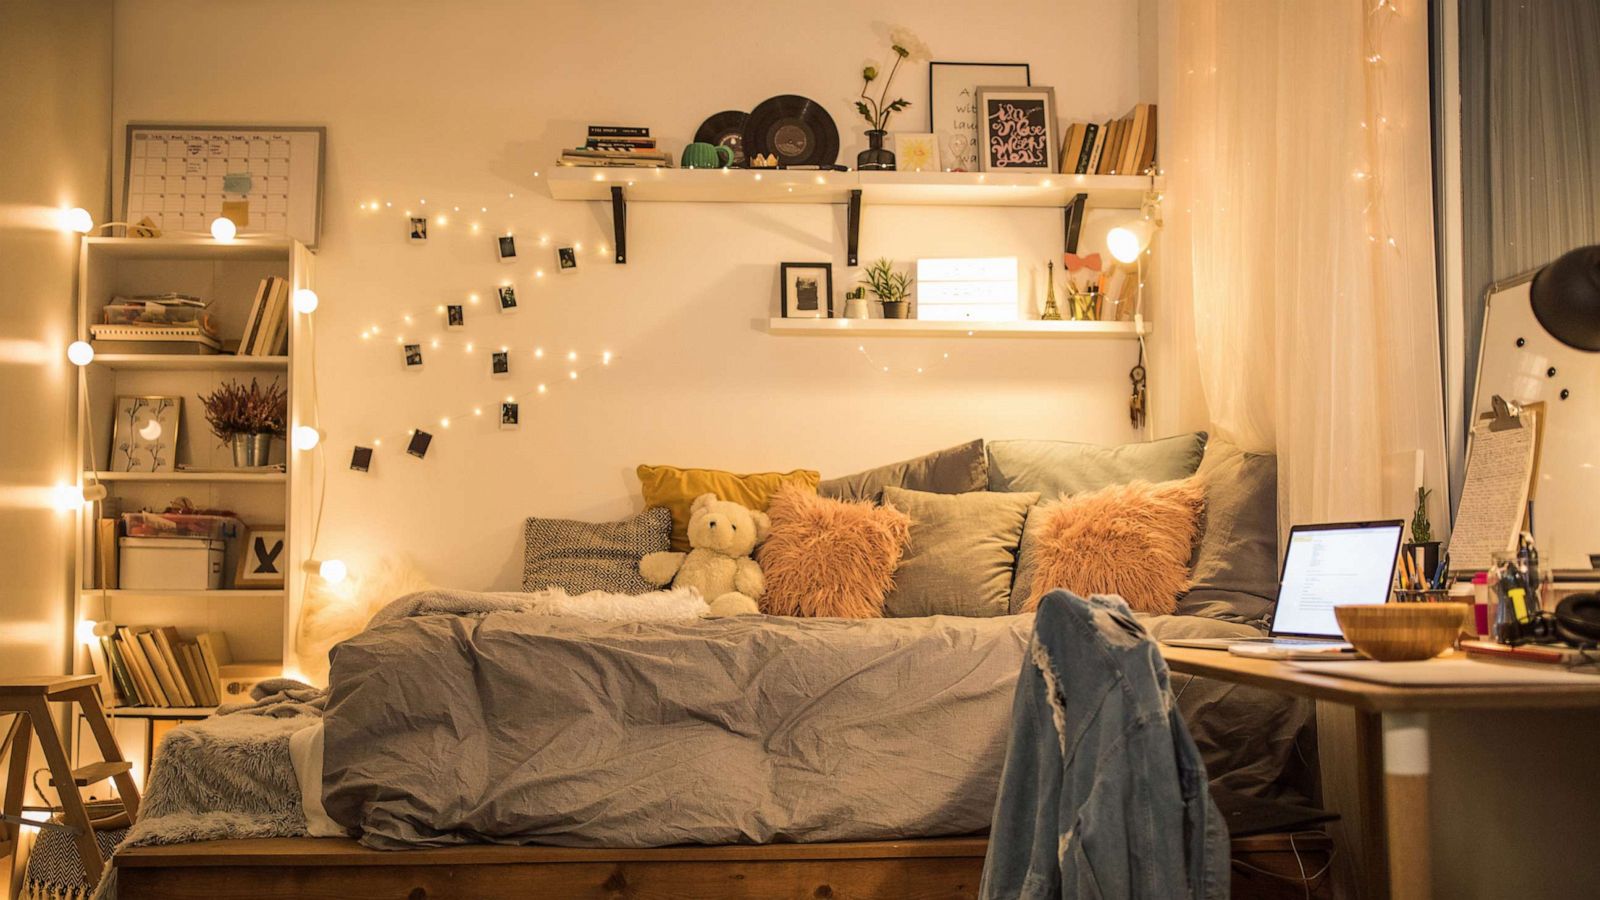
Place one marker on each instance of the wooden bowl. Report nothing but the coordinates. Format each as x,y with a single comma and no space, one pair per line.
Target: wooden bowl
1400,631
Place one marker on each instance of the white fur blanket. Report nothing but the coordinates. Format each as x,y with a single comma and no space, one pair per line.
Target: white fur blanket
658,606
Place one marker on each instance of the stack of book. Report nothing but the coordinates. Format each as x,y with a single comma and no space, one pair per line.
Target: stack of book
156,323
1125,146
152,666
266,331
624,146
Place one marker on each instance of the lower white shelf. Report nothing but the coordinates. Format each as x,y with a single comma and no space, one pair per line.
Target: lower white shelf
245,476
273,595
1029,328
161,712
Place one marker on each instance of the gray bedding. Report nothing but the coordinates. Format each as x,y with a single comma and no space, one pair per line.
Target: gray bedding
511,727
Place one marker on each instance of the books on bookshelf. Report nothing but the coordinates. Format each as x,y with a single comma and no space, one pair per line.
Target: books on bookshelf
266,330
624,146
1125,146
153,666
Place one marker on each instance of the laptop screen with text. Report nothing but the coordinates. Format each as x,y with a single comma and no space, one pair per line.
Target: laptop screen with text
1333,564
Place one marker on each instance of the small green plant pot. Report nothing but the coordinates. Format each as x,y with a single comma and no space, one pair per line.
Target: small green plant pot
895,309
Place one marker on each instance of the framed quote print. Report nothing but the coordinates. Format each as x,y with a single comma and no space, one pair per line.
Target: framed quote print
953,106
1017,129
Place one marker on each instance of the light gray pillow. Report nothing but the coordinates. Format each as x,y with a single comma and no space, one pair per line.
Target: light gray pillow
1063,468
593,556
953,470
1235,565
962,551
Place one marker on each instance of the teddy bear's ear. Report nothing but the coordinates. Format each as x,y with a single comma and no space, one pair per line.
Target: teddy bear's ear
763,525
702,503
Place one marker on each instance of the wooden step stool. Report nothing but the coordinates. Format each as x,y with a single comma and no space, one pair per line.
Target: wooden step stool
29,698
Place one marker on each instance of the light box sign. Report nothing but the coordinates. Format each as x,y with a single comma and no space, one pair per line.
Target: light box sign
967,290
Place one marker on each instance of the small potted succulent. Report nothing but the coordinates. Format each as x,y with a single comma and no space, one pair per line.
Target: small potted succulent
890,287
247,419
1422,535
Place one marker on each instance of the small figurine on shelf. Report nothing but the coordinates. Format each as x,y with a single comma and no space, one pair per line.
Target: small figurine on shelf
1052,313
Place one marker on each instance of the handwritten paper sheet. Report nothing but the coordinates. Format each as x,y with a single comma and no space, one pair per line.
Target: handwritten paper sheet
1499,474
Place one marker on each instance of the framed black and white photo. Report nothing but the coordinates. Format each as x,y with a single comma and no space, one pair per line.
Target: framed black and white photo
263,559
419,229
807,290
500,363
361,459
509,413
455,317
506,246
144,437
953,106
413,355
508,298
567,259
1017,129
419,443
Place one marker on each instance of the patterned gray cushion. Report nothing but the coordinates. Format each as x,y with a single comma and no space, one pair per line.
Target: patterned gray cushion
593,556
953,470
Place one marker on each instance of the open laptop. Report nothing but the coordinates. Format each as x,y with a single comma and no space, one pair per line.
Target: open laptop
1347,562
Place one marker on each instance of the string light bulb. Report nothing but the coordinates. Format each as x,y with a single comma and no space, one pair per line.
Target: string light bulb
306,438
305,301
223,229
77,219
80,353
332,571
1126,242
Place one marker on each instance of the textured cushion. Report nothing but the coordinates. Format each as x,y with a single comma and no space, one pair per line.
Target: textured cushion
592,556
826,557
1133,540
962,551
953,470
1236,564
1061,468
676,489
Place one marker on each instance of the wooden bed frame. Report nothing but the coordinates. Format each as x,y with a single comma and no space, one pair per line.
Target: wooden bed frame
341,869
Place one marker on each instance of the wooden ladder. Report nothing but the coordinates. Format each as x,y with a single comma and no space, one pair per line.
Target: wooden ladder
29,700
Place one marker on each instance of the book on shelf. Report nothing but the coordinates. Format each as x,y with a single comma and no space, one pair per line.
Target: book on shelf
619,131
266,329
179,339
154,666
640,158
1125,146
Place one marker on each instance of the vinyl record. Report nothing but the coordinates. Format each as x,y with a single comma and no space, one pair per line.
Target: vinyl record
799,131
726,128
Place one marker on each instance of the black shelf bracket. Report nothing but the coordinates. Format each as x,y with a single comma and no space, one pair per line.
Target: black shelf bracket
853,224
1072,218
619,223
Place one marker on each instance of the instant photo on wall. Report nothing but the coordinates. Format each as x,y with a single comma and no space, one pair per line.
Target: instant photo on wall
508,298
567,259
509,413
361,459
413,357
455,317
419,229
419,443
500,363
506,246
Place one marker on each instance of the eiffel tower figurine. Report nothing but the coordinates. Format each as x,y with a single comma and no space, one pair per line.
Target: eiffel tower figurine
1052,313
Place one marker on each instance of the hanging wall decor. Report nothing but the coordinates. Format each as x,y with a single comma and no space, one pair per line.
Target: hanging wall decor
506,248
455,317
419,229
420,440
509,413
508,298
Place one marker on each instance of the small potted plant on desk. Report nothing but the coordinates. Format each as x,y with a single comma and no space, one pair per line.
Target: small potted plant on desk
1422,548
890,287
247,419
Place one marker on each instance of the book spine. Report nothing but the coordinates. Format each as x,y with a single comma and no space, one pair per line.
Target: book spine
618,131
158,666
119,672
1088,149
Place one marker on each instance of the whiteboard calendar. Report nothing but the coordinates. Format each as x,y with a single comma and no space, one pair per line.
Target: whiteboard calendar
267,179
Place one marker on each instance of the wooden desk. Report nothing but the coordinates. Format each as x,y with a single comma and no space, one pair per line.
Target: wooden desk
1392,726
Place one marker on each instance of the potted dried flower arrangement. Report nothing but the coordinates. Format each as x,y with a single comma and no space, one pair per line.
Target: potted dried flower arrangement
890,287
247,418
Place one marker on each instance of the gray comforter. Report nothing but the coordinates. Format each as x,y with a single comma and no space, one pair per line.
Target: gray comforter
510,727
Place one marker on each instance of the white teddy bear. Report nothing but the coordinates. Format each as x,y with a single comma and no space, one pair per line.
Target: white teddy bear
722,536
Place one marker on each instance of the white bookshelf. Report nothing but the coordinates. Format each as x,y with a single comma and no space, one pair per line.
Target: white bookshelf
260,624
915,328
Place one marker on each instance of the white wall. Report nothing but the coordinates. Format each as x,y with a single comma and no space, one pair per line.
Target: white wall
55,90
461,103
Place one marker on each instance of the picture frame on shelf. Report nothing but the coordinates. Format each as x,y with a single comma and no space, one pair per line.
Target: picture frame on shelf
1017,129
953,106
916,151
263,558
806,290
144,434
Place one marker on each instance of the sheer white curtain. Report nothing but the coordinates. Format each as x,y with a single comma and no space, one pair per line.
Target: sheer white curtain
1300,233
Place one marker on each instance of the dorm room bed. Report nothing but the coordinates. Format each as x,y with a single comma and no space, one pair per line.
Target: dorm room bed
782,757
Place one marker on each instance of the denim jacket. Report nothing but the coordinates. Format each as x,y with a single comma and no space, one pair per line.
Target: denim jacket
1104,794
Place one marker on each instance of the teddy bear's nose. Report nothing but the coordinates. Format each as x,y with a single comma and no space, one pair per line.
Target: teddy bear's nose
713,523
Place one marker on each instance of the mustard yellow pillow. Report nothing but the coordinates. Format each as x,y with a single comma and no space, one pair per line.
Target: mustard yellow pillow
676,489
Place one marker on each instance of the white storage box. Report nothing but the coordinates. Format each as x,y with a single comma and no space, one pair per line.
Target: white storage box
171,564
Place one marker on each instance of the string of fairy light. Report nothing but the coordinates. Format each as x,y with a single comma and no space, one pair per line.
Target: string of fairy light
1380,13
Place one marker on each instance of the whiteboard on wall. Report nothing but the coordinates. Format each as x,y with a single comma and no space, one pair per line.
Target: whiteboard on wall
1521,362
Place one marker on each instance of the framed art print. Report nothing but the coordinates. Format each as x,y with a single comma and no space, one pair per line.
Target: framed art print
916,152
953,106
263,561
144,437
1017,129
807,290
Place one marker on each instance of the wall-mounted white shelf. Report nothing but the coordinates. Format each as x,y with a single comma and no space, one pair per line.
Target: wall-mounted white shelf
884,188
1031,328
272,595
197,362
185,248
243,477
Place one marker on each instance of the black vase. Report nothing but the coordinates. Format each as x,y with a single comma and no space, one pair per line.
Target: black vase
875,158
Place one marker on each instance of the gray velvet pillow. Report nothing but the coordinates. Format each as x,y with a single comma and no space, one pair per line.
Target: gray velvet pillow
1235,565
953,470
962,551
579,557
1062,468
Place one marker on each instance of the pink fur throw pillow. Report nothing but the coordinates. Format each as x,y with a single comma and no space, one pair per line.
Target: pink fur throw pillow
1133,540
828,557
